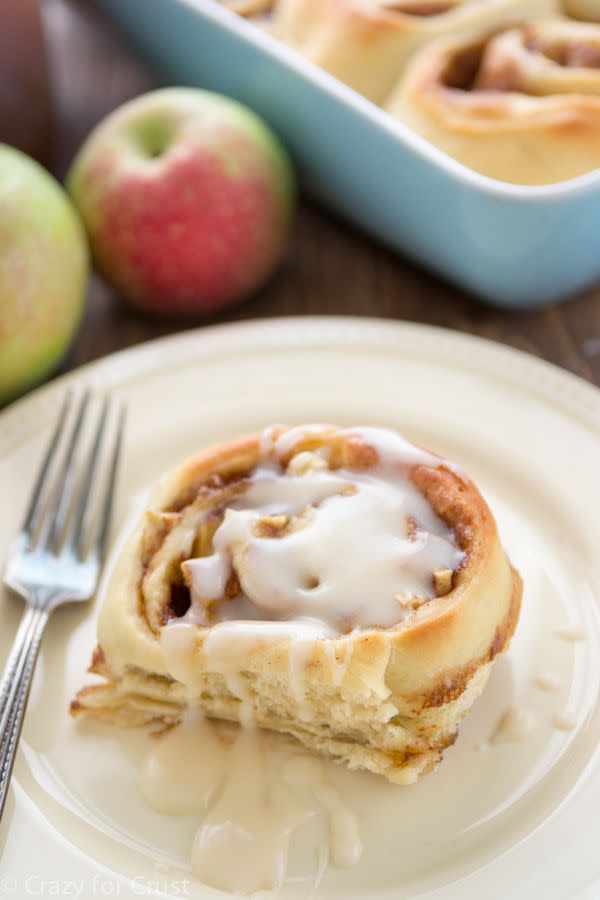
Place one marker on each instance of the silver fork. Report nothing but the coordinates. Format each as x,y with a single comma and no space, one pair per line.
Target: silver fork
57,556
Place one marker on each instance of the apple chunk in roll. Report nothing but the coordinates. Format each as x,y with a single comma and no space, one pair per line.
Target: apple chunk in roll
366,43
342,586
520,105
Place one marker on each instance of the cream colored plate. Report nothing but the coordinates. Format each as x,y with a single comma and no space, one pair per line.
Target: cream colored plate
517,817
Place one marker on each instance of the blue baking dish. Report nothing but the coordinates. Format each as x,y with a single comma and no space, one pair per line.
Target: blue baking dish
511,245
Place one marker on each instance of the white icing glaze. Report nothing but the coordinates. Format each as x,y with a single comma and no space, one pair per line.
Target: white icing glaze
184,768
251,808
345,844
338,664
514,725
570,632
392,449
347,555
267,439
207,575
547,681
250,820
352,547
177,643
242,845
564,722
228,644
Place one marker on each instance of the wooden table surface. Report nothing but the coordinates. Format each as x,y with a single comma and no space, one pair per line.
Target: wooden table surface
329,268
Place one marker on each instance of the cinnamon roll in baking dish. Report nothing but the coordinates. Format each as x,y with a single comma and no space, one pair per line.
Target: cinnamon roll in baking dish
366,43
521,104
339,585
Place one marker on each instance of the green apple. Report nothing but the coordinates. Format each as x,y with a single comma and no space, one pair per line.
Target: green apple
43,272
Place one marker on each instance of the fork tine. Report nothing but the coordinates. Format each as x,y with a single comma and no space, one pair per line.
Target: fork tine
78,528
59,503
32,516
99,546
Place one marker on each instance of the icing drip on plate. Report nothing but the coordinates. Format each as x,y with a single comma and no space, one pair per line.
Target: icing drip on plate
253,800
516,724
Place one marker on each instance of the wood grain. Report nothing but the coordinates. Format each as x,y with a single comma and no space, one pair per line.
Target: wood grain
329,268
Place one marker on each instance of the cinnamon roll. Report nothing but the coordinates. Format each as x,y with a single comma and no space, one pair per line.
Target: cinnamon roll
520,105
366,43
339,585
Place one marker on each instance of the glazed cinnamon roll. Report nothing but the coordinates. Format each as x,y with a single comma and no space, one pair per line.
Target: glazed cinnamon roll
520,105
339,585
366,43
588,10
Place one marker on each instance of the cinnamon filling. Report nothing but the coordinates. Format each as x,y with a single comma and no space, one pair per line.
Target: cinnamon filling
463,68
569,55
179,602
467,71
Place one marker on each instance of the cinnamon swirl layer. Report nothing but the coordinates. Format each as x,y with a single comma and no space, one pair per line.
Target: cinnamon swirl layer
366,43
521,104
339,585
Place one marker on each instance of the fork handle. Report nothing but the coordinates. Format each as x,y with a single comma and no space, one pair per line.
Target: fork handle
12,663
14,691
